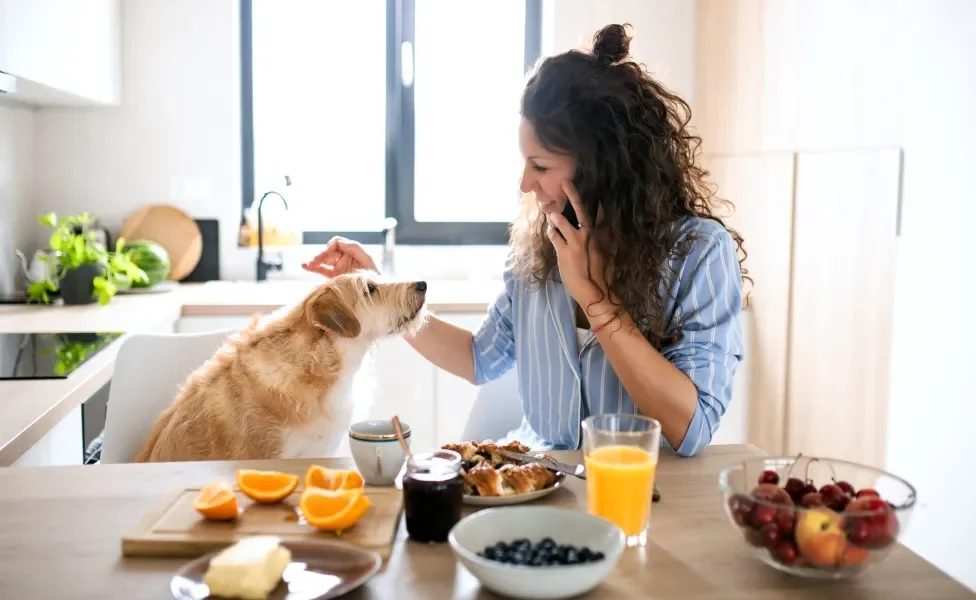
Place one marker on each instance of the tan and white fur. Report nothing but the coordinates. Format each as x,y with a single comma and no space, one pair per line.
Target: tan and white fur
282,387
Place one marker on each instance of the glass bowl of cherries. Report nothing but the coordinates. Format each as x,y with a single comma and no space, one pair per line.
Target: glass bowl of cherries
816,517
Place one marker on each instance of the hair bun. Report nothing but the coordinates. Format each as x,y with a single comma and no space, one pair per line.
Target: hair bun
612,44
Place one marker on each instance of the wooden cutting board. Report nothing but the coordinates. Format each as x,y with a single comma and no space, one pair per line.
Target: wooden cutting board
174,528
172,229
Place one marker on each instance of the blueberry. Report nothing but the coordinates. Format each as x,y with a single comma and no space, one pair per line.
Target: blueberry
537,561
572,556
597,556
585,554
490,553
547,543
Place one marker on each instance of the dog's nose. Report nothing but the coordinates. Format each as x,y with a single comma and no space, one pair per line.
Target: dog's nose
421,286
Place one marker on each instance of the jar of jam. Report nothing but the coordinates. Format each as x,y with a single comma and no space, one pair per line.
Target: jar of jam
432,493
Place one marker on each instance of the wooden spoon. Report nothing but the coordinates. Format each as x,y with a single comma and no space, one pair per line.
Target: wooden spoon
398,430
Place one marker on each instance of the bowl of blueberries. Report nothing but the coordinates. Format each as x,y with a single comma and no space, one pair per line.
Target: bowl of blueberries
537,552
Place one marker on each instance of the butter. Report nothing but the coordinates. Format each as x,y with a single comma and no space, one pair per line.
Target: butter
250,569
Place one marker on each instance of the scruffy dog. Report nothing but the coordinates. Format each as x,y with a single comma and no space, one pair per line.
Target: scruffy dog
281,387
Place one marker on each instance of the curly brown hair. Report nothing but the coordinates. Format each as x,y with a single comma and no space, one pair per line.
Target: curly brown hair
636,155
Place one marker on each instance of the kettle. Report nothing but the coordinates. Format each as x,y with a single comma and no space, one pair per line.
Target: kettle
42,265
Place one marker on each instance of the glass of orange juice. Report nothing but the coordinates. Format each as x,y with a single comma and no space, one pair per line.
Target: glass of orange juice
621,452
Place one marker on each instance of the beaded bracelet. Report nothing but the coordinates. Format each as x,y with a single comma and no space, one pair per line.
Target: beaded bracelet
616,315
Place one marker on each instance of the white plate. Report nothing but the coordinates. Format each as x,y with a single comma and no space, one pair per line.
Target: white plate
159,288
514,498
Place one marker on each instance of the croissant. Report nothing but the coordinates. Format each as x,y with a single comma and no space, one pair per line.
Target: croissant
485,480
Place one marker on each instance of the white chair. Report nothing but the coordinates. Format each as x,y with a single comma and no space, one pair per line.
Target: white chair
149,370
496,411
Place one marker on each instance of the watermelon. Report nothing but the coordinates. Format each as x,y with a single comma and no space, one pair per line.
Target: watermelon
151,258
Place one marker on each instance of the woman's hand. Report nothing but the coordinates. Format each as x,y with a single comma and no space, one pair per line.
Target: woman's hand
572,248
339,257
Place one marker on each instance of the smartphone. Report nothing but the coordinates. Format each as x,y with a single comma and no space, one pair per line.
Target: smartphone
570,214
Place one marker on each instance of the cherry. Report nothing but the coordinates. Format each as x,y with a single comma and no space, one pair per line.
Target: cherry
834,497
811,499
846,487
786,553
857,531
762,515
770,535
772,493
810,488
769,476
795,488
741,506
877,517
867,492
786,521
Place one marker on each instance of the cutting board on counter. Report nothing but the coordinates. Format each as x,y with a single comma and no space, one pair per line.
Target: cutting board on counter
175,529
172,229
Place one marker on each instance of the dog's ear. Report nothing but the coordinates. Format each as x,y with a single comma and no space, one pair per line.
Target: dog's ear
325,310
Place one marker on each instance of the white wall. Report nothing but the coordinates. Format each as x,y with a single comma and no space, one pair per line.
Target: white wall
17,217
176,137
933,402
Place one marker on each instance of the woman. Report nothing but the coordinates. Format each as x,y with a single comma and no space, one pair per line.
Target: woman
637,311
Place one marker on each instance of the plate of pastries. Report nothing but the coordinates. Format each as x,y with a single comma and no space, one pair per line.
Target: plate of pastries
491,479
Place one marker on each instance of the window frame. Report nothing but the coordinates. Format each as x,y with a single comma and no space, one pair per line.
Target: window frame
400,158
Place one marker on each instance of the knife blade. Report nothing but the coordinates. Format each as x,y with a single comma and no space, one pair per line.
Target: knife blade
575,470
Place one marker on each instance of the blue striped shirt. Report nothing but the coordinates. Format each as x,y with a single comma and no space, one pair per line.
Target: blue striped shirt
533,328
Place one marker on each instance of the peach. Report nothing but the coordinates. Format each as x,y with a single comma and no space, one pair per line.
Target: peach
820,537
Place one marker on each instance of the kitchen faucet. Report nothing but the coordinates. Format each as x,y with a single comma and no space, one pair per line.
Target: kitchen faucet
265,265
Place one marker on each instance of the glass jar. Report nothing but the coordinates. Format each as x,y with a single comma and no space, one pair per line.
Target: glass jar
432,495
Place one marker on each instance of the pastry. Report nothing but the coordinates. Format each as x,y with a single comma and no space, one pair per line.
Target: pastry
487,473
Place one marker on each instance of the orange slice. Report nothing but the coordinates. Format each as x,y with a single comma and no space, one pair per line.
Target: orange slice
332,479
333,510
217,502
266,487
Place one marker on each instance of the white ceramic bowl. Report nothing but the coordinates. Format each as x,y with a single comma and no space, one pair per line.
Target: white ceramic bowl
490,526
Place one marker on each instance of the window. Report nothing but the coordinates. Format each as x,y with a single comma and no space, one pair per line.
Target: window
387,108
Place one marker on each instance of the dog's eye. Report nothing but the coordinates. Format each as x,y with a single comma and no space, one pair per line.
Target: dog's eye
370,288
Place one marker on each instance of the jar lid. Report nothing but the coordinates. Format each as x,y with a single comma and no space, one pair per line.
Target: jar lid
435,462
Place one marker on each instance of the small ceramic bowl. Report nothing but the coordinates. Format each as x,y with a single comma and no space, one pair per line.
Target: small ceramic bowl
535,523
378,455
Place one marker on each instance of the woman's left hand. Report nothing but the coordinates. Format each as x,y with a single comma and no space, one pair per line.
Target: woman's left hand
572,247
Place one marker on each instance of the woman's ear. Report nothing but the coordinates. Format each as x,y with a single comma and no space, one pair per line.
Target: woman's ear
325,310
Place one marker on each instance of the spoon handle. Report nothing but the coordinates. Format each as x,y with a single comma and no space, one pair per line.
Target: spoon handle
398,430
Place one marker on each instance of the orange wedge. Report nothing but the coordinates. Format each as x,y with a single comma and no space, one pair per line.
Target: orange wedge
317,476
217,502
333,510
266,487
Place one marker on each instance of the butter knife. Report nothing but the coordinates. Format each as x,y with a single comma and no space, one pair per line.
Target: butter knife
575,470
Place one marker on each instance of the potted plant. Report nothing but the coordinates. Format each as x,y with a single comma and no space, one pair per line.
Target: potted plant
86,270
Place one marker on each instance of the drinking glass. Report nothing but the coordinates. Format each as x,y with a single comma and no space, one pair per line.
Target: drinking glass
621,452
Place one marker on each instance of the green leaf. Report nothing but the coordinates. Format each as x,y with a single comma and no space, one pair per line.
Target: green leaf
55,240
50,219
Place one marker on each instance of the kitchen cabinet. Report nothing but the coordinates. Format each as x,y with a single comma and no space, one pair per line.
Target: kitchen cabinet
62,52
62,446
454,396
202,324
820,232
760,188
842,295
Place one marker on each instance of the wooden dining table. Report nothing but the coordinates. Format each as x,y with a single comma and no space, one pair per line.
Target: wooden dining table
61,531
